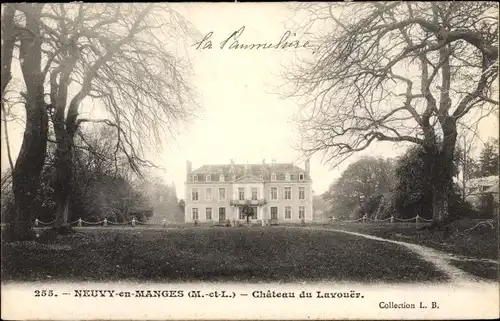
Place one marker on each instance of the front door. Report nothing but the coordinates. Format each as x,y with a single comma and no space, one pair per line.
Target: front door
222,214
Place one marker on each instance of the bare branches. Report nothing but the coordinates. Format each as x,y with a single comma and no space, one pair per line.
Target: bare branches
8,40
118,54
124,145
386,72
6,133
488,75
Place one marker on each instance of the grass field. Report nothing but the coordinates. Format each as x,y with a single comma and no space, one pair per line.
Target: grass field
458,239
256,254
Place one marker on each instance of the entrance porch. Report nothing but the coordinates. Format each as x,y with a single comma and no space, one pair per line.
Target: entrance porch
259,213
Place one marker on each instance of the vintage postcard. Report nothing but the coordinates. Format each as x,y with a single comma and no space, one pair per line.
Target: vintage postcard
250,161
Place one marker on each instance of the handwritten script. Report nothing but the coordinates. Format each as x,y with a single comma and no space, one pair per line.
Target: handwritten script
234,42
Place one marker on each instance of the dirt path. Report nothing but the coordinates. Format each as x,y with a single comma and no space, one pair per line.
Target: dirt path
439,259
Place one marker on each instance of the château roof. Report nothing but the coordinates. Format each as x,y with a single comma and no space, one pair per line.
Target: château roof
484,181
484,185
239,170
253,169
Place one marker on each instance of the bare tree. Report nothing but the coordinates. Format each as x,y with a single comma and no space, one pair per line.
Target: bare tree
8,43
21,33
397,72
117,55
8,116
467,166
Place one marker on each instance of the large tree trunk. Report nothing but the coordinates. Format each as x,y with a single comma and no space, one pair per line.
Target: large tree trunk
8,40
442,171
29,163
441,190
65,130
64,173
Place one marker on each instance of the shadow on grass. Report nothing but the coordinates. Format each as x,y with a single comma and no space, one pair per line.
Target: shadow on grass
455,239
483,270
214,254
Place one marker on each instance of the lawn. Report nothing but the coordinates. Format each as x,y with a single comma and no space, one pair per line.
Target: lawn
460,239
255,254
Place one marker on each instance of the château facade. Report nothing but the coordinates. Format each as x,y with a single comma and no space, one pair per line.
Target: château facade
276,192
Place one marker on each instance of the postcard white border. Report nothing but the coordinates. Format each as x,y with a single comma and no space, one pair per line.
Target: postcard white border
455,301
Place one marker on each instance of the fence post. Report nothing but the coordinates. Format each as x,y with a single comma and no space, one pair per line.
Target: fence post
392,219
36,221
105,222
80,222
133,222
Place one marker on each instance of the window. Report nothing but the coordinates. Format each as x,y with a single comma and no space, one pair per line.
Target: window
302,193
208,194
221,177
273,176
241,215
194,194
241,193
254,193
287,176
288,212
222,194
302,212
274,193
209,178
194,211
222,213
208,213
195,178
274,213
301,177
288,193
254,212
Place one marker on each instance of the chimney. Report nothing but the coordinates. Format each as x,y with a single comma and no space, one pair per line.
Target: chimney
307,165
188,167
231,168
263,161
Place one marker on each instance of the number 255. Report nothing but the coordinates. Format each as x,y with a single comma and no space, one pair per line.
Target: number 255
44,293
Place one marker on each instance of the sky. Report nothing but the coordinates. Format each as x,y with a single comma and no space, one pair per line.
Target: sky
241,116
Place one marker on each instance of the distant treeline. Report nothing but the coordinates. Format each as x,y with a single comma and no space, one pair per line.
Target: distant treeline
103,187
401,187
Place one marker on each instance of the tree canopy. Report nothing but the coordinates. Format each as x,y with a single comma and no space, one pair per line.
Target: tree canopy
397,72
122,57
366,178
488,159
